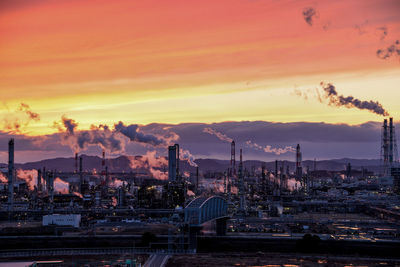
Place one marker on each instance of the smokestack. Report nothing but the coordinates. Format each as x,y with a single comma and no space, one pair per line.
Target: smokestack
299,169
10,174
177,160
39,180
76,162
197,178
242,203
80,174
172,163
103,161
385,147
390,152
233,160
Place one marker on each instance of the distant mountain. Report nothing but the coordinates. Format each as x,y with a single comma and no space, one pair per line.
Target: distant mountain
122,164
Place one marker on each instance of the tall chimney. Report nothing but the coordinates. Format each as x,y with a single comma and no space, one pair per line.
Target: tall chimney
80,174
76,162
390,152
197,178
39,179
299,169
103,161
11,174
233,160
177,161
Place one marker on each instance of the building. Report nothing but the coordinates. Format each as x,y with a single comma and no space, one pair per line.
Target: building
62,219
395,172
173,162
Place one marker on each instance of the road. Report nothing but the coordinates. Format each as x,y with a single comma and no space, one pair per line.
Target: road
157,260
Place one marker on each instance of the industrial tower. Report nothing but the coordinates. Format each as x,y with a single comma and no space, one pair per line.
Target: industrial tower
233,160
299,168
389,154
10,174
242,193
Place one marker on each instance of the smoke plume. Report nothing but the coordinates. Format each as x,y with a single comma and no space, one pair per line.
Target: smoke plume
151,163
309,13
102,135
219,135
385,53
351,102
116,183
60,186
29,176
270,149
3,179
186,155
131,132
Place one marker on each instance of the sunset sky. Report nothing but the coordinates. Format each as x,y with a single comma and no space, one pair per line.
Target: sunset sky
142,62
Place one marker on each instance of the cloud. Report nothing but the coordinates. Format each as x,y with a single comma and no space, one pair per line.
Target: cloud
103,136
219,135
350,102
32,115
270,149
393,49
16,121
318,139
383,32
309,13
131,131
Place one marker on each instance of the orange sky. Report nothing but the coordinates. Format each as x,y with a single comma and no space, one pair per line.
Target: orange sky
203,61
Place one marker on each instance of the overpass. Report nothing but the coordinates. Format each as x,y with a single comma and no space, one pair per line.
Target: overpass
201,210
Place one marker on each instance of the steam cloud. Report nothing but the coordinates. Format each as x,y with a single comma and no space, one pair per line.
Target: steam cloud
219,135
385,53
3,179
151,163
309,13
270,149
350,102
101,135
186,155
29,176
60,186
131,132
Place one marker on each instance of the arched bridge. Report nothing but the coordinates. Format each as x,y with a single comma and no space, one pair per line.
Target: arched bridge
202,209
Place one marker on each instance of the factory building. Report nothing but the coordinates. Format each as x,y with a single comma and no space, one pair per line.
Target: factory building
62,220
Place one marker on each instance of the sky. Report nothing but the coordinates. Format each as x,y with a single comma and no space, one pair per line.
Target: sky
176,62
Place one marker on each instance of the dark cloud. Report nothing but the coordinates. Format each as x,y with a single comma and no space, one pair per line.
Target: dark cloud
309,13
350,102
131,131
393,49
321,140
383,32
27,110
16,121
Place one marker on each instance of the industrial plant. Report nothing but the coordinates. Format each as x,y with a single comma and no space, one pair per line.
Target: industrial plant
274,206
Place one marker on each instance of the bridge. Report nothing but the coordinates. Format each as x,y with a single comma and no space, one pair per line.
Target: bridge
202,209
